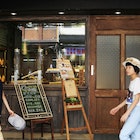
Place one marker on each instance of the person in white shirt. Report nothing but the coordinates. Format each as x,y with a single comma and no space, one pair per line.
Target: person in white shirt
131,118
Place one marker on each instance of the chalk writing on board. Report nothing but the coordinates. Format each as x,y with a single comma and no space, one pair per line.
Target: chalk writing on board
32,98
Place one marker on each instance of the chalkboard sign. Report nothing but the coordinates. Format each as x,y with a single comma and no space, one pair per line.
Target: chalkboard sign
32,99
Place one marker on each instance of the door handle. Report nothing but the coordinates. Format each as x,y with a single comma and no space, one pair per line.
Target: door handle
92,69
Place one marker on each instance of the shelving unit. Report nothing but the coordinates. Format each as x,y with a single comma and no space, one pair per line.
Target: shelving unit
3,64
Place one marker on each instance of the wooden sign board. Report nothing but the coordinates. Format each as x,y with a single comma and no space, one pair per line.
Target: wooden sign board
32,100
70,88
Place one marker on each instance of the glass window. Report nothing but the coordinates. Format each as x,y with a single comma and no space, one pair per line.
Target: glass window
108,62
57,40
132,49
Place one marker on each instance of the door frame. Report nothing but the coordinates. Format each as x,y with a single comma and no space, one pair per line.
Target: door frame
98,25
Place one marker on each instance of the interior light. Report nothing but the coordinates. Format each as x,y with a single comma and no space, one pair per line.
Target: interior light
36,28
24,48
117,12
13,13
61,13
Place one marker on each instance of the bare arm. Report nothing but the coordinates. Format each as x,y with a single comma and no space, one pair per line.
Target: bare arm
6,104
129,110
114,110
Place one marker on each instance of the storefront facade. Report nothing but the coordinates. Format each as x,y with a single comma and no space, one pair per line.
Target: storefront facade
108,41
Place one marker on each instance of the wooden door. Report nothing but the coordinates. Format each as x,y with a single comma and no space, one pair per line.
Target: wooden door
108,48
106,85
109,80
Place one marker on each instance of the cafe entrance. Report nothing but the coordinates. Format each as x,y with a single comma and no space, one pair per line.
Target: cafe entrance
109,47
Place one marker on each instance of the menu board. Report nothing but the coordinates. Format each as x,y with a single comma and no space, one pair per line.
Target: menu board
65,68
33,101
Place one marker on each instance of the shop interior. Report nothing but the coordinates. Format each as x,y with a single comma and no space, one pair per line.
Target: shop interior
55,40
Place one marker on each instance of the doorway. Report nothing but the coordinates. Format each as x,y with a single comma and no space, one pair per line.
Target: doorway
109,47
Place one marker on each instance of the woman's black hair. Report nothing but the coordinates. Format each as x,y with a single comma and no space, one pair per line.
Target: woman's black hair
136,69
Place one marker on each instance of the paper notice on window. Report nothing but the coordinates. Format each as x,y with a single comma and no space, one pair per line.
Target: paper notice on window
65,68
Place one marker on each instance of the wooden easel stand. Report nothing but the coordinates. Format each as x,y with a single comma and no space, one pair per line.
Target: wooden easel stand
74,107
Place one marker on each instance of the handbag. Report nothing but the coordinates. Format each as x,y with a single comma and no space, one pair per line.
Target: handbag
17,122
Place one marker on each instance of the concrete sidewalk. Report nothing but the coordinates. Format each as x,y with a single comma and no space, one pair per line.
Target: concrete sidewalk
46,136
57,136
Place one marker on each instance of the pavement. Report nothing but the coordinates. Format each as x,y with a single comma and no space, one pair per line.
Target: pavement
46,136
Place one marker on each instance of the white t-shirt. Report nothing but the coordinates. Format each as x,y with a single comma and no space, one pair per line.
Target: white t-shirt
134,88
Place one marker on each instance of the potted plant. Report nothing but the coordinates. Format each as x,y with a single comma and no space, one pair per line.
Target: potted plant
72,100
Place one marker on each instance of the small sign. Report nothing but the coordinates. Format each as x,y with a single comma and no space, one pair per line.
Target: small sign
70,88
65,68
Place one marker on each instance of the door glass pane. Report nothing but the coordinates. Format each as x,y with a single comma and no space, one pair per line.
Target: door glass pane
132,49
108,62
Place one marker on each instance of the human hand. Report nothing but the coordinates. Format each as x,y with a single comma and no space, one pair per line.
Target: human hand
113,111
11,112
124,117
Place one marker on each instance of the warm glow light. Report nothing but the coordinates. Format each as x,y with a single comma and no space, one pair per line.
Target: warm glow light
72,57
24,48
117,12
61,13
13,14
36,28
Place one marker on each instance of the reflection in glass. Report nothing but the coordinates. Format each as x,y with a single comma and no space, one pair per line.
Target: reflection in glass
57,40
132,49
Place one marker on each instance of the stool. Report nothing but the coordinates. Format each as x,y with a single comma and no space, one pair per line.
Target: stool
33,122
